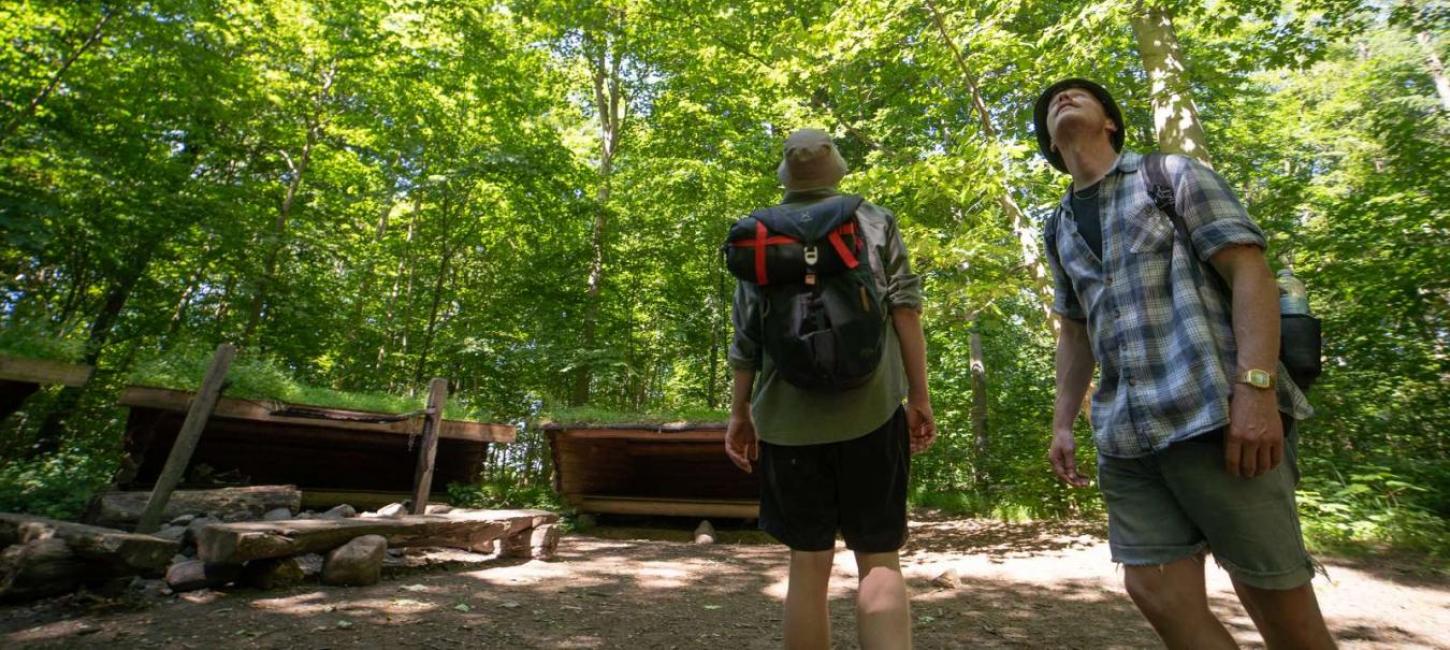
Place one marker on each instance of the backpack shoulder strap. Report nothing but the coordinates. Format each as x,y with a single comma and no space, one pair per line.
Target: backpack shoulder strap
1160,191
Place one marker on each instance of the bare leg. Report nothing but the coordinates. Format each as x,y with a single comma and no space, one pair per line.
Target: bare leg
1287,618
807,620
883,617
1174,600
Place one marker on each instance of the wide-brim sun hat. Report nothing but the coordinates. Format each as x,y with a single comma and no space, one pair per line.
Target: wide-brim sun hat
1044,101
810,161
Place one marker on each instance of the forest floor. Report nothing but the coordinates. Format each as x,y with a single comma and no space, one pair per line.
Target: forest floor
1021,585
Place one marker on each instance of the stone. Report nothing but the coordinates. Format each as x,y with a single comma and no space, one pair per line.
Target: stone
948,579
193,529
393,510
277,514
39,568
544,541
273,573
705,533
195,574
343,511
437,509
173,533
356,563
467,530
311,564
182,520
229,504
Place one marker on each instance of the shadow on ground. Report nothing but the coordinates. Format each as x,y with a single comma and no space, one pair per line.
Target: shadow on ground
635,594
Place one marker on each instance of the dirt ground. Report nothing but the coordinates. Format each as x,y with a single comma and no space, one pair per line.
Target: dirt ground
1022,585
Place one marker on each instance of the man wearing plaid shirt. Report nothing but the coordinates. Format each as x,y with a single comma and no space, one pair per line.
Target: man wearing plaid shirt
1195,436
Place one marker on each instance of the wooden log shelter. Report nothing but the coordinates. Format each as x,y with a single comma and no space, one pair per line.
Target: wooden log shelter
20,377
333,455
674,470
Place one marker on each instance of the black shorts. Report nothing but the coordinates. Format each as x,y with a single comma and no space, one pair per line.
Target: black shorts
857,486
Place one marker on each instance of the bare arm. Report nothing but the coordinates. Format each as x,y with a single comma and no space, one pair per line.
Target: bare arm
919,417
1255,442
1075,365
741,444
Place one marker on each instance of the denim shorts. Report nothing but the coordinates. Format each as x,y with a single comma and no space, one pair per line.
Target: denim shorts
1177,502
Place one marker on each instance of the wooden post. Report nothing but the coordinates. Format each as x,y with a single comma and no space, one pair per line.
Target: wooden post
432,424
201,407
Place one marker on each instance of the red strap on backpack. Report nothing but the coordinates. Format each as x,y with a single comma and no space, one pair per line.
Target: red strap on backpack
840,245
759,243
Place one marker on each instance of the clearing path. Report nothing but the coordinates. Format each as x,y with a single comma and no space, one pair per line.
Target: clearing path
1021,586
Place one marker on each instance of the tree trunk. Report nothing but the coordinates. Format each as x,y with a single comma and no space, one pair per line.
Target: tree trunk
979,403
51,433
1175,118
605,58
298,170
1437,68
445,258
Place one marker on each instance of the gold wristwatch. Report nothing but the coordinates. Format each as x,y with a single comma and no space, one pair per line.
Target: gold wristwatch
1261,379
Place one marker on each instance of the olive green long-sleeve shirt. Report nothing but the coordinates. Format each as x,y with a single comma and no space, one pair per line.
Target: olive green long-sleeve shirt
787,415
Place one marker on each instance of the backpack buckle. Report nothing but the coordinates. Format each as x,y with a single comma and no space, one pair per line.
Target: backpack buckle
812,255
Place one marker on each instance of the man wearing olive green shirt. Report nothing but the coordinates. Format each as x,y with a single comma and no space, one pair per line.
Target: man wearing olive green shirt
836,460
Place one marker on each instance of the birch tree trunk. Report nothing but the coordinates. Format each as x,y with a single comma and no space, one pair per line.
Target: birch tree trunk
605,53
1437,67
298,170
1175,118
979,403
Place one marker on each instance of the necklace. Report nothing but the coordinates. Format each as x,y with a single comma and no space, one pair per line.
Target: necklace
1090,193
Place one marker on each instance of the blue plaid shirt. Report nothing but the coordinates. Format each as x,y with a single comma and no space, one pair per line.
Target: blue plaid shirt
1164,345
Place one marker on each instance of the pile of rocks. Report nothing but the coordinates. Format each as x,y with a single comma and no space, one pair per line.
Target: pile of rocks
355,563
344,547
251,536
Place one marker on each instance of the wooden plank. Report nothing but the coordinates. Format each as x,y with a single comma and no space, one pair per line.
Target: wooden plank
196,417
44,371
428,451
741,509
641,434
641,426
125,508
261,411
467,529
312,456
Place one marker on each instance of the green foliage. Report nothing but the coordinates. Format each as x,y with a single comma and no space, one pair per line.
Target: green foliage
264,378
33,341
504,488
1372,506
58,486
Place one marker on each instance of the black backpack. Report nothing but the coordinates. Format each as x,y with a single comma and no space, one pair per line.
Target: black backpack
1300,337
822,318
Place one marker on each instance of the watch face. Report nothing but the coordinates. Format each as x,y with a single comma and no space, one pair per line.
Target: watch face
1259,378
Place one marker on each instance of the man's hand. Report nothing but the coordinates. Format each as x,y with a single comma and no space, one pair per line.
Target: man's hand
741,445
921,424
1255,441
1063,455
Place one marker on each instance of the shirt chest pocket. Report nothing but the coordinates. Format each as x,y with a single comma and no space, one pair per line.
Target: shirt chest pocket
1149,231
